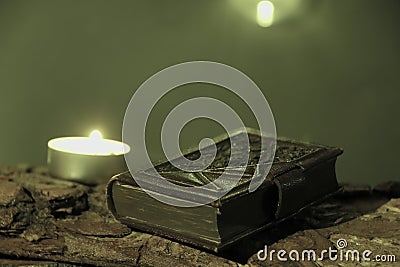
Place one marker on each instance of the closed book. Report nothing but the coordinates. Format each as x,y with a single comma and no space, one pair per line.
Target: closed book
300,174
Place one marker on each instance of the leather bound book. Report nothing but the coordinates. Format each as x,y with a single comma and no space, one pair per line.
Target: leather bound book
300,175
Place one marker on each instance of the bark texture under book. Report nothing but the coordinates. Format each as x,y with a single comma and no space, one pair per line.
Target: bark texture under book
50,222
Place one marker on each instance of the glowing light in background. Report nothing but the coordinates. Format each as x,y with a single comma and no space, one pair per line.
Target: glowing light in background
265,13
272,12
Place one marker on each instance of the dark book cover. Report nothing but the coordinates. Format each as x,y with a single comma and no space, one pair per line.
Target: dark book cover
300,175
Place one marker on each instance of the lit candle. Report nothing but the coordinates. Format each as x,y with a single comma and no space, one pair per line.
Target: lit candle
86,159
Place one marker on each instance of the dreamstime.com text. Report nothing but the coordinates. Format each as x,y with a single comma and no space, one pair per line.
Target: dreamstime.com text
340,253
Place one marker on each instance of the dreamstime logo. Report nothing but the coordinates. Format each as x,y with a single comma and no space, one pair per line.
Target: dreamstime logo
340,253
153,89
341,243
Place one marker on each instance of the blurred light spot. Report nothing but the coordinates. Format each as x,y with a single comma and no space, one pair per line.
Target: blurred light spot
265,13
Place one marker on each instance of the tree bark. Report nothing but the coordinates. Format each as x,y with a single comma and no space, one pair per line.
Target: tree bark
50,222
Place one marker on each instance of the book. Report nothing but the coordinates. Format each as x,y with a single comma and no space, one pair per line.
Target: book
300,175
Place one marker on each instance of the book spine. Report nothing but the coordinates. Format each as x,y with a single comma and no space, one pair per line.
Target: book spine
109,196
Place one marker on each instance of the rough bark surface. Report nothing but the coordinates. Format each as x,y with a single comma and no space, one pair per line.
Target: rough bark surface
50,222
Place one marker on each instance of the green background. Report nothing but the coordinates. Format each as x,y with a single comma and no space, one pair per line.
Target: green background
329,69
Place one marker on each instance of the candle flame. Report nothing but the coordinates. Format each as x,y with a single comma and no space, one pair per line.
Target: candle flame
96,135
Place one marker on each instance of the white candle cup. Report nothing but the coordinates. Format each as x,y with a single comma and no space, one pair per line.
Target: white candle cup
88,160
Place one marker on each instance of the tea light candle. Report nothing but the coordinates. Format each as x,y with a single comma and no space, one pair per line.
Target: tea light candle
86,159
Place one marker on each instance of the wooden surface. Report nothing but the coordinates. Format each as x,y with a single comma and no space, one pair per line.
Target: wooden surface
50,222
